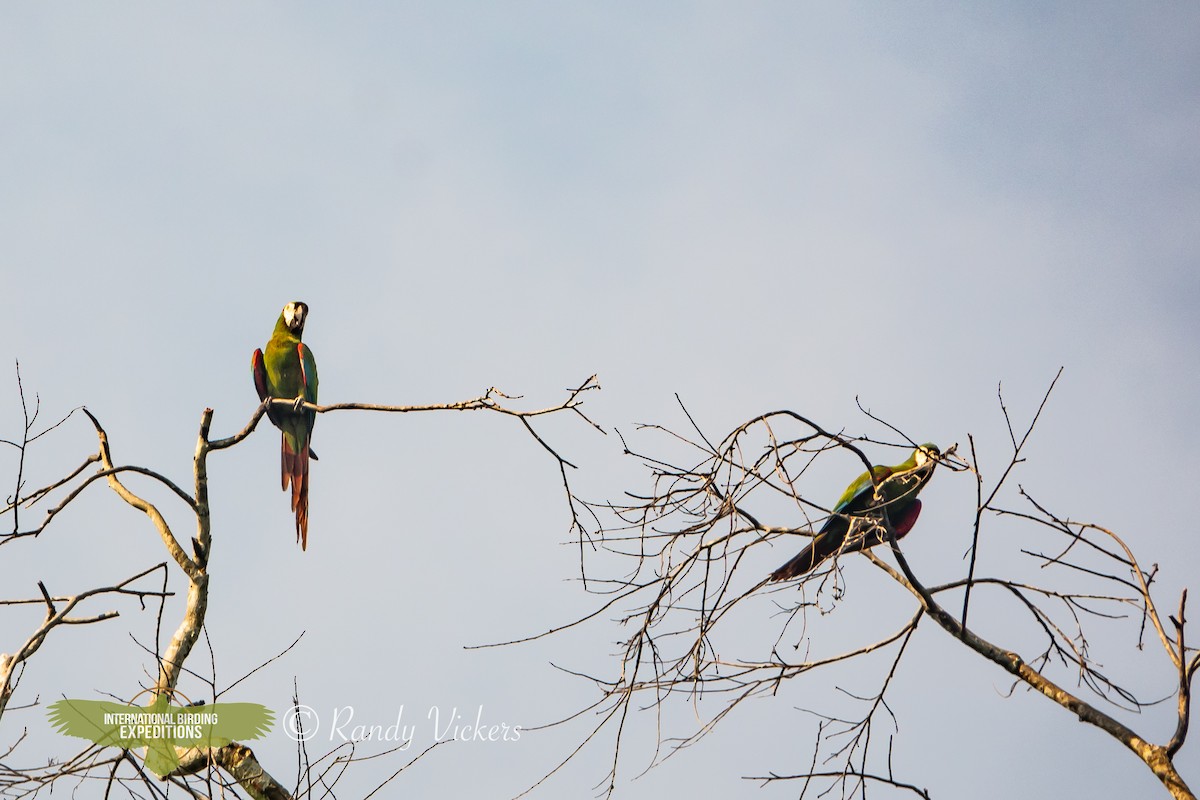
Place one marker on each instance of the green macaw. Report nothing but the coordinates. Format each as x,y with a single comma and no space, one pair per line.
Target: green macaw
856,521
288,370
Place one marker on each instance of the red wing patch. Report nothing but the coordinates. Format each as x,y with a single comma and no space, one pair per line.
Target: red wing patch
303,372
259,369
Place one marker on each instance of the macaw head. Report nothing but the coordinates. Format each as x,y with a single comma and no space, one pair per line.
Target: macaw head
926,453
294,314
910,477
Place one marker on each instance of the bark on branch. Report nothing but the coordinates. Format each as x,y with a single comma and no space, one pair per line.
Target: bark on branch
235,759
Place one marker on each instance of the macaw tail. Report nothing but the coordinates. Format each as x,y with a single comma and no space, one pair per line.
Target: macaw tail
822,547
295,473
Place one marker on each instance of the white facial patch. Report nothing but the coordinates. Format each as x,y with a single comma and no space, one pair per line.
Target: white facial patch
926,454
293,315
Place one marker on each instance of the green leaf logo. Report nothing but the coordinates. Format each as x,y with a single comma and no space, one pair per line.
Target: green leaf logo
160,727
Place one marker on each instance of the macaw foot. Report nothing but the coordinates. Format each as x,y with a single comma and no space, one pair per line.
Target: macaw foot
298,406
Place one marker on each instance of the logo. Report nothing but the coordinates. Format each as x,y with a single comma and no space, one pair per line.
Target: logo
160,727
301,722
341,724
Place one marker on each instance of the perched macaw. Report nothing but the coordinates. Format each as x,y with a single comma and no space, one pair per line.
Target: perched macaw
288,370
855,522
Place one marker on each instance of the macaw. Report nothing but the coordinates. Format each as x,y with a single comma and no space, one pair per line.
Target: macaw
288,370
855,523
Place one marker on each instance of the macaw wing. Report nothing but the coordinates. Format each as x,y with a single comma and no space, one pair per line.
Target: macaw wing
858,495
308,371
259,369
85,719
903,486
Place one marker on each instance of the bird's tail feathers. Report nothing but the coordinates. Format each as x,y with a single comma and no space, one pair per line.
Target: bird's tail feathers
295,474
821,548
800,564
288,462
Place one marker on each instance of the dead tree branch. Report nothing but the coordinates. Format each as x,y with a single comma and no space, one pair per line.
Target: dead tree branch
233,760
685,564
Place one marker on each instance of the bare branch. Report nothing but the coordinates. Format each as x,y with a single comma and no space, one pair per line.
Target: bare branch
1186,672
488,401
1013,462
238,767
681,542
149,509
55,616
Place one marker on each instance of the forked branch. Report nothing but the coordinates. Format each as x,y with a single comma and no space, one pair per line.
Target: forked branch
688,557
235,760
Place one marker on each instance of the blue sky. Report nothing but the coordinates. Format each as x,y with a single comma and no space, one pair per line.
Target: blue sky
770,206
